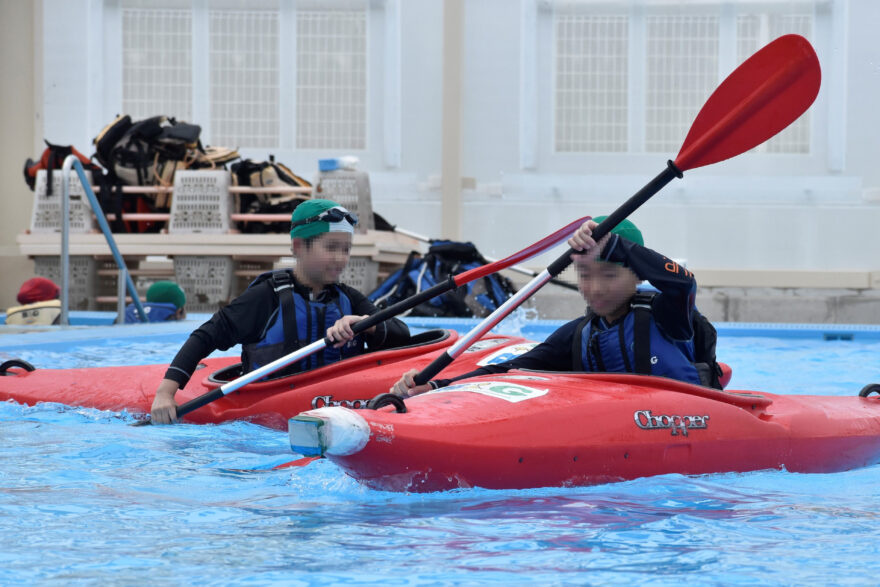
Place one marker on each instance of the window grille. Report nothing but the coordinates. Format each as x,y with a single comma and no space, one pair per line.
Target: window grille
157,62
591,83
244,54
331,58
682,70
679,54
753,32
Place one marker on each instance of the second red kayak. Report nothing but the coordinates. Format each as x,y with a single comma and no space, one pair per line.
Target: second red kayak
349,383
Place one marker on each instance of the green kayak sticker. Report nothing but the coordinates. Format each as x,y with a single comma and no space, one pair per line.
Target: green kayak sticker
510,392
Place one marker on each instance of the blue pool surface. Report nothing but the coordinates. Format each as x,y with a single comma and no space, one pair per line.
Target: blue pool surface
87,499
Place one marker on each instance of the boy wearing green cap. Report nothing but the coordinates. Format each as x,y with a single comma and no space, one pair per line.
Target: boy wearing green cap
624,330
165,301
282,311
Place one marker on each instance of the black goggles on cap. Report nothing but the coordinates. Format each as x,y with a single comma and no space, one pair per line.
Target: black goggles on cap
331,215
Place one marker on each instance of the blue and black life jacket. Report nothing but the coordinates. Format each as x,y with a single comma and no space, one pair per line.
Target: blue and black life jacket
636,345
156,312
445,258
297,322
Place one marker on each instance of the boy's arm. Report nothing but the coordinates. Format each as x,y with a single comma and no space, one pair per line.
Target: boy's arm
241,321
554,354
673,306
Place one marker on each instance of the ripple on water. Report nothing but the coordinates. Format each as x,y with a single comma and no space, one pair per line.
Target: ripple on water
88,497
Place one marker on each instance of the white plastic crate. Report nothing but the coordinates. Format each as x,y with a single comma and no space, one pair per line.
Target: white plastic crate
201,202
46,212
107,280
350,189
246,272
361,273
207,281
81,294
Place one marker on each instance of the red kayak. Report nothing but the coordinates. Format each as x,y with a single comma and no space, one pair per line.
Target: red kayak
350,383
536,429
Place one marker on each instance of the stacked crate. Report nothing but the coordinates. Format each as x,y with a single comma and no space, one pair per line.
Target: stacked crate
46,218
202,204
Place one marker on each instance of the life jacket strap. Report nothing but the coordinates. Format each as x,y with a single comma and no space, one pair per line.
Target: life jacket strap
641,306
281,281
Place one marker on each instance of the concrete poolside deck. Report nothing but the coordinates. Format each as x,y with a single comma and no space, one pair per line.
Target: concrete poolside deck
58,338
730,295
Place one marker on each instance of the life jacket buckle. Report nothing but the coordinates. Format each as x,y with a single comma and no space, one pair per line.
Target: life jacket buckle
281,280
642,300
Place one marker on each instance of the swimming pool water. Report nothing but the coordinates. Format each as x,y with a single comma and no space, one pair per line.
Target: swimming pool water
85,498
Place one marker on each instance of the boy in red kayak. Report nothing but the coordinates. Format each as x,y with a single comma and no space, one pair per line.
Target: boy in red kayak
625,330
282,311
165,301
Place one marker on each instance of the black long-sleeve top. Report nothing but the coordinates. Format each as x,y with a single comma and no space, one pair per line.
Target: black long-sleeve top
671,309
243,320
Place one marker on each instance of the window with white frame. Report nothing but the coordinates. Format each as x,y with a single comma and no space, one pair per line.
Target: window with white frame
331,83
242,49
591,83
244,58
681,70
156,62
596,44
753,32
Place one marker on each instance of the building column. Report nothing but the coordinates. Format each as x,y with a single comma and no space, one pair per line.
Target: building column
450,182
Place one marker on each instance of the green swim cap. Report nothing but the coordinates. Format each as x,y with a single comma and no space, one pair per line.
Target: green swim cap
166,292
314,217
626,229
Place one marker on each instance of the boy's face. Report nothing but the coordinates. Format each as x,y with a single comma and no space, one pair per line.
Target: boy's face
606,287
322,262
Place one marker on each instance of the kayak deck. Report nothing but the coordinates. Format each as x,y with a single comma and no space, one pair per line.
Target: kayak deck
531,429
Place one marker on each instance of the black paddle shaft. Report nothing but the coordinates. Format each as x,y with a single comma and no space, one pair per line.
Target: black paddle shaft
554,269
625,209
559,265
190,406
403,305
357,328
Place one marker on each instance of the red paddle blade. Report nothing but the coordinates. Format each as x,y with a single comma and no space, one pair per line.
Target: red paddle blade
542,245
769,91
297,463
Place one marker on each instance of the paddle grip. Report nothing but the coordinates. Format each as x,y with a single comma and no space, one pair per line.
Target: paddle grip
616,217
437,365
404,305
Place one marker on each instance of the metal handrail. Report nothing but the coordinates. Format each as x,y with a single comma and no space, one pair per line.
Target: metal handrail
165,216
71,161
234,189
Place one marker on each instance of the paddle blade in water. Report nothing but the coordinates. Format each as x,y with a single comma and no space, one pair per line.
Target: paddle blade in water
297,463
302,462
765,94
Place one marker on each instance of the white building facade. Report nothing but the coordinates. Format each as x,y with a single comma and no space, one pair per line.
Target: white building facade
498,121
